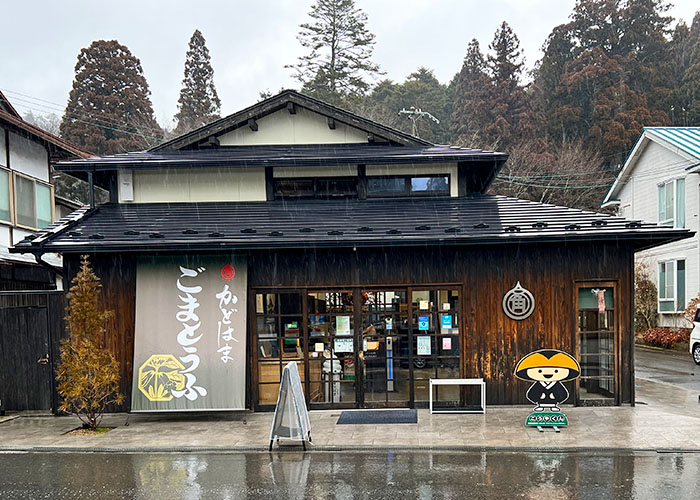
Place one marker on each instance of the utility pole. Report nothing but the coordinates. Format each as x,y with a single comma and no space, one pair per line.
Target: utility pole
414,115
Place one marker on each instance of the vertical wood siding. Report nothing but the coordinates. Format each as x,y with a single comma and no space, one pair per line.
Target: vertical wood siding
492,342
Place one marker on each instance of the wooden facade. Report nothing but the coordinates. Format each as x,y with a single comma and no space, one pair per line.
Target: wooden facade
491,343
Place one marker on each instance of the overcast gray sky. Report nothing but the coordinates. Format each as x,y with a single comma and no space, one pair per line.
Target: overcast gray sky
249,41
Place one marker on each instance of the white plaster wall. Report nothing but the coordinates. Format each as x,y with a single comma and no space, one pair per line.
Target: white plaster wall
296,172
200,185
4,235
282,127
18,234
3,148
639,200
28,157
418,169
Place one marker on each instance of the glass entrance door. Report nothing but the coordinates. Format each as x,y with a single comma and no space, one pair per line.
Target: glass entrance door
435,346
372,347
385,348
596,335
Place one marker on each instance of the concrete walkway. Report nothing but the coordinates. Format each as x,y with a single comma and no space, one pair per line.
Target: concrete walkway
666,418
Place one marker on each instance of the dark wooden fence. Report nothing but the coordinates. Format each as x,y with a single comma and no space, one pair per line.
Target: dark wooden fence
31,328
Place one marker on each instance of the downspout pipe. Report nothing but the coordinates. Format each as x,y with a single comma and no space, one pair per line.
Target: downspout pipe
48,266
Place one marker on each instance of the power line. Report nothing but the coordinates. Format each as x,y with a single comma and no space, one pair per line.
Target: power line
105,127
57,108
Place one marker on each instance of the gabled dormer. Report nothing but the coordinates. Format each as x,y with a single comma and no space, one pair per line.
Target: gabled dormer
291,146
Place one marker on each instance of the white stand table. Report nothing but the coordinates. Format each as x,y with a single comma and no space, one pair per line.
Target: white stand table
459,381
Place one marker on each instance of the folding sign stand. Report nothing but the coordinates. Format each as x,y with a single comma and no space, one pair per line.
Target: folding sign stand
291,420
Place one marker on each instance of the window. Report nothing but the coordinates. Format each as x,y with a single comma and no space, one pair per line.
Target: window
5,214
409,185
316,188
672,203
32,202
671,286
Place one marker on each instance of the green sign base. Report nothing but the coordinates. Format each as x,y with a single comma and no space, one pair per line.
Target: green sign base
546,419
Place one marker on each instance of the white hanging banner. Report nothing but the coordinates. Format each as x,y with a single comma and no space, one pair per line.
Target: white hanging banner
190,336
291,420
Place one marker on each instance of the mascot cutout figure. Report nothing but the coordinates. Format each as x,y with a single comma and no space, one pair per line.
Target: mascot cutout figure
547,369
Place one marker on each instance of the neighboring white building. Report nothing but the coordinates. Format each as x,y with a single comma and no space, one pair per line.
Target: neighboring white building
660,183
26,196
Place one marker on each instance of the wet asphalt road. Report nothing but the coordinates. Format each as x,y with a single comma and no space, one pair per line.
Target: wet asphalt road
673,368
353,475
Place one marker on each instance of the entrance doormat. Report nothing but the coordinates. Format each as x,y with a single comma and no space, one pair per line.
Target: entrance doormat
378,417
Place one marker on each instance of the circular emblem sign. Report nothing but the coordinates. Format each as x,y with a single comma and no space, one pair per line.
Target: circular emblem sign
518,303
228,272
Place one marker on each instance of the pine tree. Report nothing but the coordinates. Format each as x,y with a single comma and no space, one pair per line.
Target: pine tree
109,109
88,374
470,110
198,103
340,48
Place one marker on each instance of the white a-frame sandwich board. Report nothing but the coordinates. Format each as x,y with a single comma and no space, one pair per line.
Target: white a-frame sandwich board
291,420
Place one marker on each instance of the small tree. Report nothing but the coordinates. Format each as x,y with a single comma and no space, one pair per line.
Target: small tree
645,297
88,375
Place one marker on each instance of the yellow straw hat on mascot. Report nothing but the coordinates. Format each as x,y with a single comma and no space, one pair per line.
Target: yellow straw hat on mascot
547,359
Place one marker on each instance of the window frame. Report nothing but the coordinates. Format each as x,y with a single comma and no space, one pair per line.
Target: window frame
408,189
34,181
676,204
676,296
317,193
11,196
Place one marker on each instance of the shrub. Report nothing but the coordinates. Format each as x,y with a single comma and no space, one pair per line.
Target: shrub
689,312
88,374
666,337
645,297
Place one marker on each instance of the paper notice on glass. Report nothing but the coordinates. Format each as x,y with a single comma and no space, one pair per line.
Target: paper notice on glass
446,306
423,346
446,321
318,347
447,344
423,323
342,325
342,345
424,305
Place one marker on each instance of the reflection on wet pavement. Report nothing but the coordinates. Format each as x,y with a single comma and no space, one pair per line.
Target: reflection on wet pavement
403,475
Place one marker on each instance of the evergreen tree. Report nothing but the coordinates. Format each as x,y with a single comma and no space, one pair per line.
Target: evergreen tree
470,108
690,91
88,374
686,75
605,74
198,103
340,48
506,96
109,109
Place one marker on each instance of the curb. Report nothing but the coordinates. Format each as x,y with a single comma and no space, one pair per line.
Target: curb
652,348
343,449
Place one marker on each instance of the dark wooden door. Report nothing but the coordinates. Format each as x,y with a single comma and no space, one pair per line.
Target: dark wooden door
25,367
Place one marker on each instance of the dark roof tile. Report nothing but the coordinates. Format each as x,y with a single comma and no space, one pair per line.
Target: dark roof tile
497,219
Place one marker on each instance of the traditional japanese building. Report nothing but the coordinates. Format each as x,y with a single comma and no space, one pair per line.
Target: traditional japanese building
294,230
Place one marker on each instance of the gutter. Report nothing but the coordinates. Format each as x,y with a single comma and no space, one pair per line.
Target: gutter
650,239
